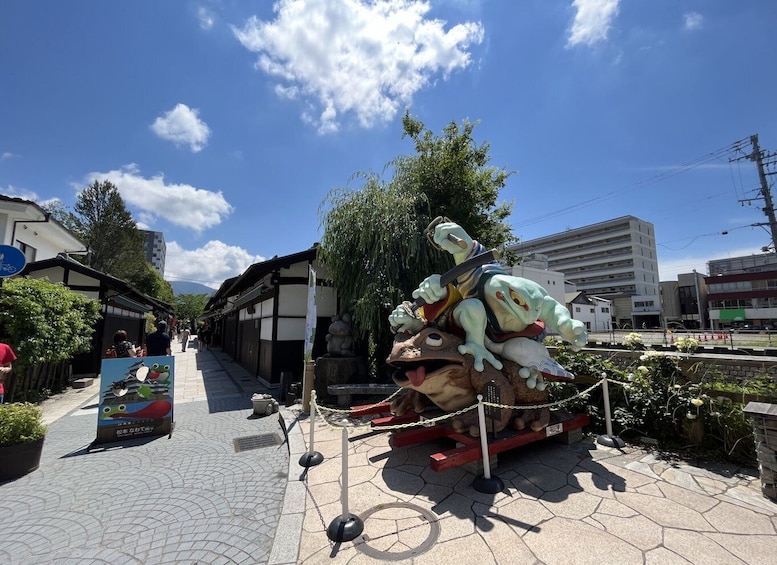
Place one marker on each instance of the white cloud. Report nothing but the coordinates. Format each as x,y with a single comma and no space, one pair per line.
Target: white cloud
15,192
180,204
592,21
211,264
205,16
693,20
182,126
352,56
7,155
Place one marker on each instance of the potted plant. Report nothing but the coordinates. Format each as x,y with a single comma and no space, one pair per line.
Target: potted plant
22,432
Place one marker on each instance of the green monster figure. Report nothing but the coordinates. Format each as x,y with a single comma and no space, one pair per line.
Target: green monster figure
497,313
144,391
109,411
159,373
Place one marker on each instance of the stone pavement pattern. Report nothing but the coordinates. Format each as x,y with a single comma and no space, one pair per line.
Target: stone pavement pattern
578,504
187,499
193,499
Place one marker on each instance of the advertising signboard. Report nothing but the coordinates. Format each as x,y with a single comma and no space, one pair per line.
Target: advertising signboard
136,398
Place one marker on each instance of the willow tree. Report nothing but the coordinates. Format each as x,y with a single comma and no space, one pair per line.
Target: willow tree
373,242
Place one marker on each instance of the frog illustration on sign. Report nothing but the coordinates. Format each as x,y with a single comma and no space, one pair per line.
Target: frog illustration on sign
497,313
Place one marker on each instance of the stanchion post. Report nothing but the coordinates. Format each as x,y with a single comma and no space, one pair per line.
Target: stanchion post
609,439
346,526
308,378
487,483
311,458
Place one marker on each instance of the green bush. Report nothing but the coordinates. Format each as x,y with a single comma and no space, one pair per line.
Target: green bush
20,422
654,399
46,324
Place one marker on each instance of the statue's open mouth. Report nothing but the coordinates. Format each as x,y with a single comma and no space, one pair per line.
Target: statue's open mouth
416,372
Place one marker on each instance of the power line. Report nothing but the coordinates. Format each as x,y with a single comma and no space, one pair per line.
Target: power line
718,154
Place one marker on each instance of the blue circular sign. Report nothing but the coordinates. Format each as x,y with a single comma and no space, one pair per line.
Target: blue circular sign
12,261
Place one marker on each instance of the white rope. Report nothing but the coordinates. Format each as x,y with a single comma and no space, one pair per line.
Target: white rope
432,421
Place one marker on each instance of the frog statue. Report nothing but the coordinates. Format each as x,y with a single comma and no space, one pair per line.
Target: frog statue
501,317
339,342
431,367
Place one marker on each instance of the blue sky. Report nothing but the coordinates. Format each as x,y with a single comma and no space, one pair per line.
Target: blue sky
225,123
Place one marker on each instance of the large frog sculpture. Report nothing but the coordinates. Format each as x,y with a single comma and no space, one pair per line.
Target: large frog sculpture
497,313
431,366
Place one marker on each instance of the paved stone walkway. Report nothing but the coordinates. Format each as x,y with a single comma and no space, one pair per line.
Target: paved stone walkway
193,499
187,499
562,504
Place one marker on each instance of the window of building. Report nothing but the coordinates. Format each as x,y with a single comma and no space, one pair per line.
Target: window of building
28,250
577,308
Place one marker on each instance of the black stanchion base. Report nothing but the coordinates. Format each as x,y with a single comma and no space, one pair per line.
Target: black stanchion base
311,459
488,486
345,529
610,441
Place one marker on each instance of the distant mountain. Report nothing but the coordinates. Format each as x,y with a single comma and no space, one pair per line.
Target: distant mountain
187,287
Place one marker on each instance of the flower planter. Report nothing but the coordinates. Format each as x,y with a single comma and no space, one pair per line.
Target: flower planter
264,404
18,460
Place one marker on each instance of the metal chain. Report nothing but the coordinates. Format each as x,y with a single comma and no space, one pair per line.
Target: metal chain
432,421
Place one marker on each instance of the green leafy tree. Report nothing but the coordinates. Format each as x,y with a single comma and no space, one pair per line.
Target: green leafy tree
148,281
46,323
380,227
61,214
189,306
103,222
453,174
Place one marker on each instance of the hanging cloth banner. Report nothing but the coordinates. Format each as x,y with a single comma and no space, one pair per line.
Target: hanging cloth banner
310,319
136,398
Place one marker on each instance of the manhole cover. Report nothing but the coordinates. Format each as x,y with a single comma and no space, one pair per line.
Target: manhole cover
397,531
255,442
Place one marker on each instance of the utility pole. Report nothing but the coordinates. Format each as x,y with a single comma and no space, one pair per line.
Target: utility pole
757,157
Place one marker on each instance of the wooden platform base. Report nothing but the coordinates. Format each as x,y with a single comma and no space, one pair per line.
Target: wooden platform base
469,450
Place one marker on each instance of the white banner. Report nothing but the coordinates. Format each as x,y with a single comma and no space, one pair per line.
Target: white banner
310,319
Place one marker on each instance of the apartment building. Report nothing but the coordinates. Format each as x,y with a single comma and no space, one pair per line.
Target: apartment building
615,259
743,292
155,249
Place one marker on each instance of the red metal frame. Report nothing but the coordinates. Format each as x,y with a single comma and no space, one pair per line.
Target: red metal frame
470,449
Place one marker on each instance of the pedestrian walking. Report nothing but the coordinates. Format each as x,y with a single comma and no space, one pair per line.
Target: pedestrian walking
121,346
158,342
185,338
7,357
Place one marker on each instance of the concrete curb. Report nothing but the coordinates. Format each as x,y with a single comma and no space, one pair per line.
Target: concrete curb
285,549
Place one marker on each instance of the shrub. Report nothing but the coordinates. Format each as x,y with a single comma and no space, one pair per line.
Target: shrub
20,423
634,341
653,398
47,324
686,344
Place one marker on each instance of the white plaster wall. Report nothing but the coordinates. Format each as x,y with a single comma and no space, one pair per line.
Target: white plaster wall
266,329
293,300
290,329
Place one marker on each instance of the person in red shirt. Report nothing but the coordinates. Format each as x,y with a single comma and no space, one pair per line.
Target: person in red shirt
7,357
